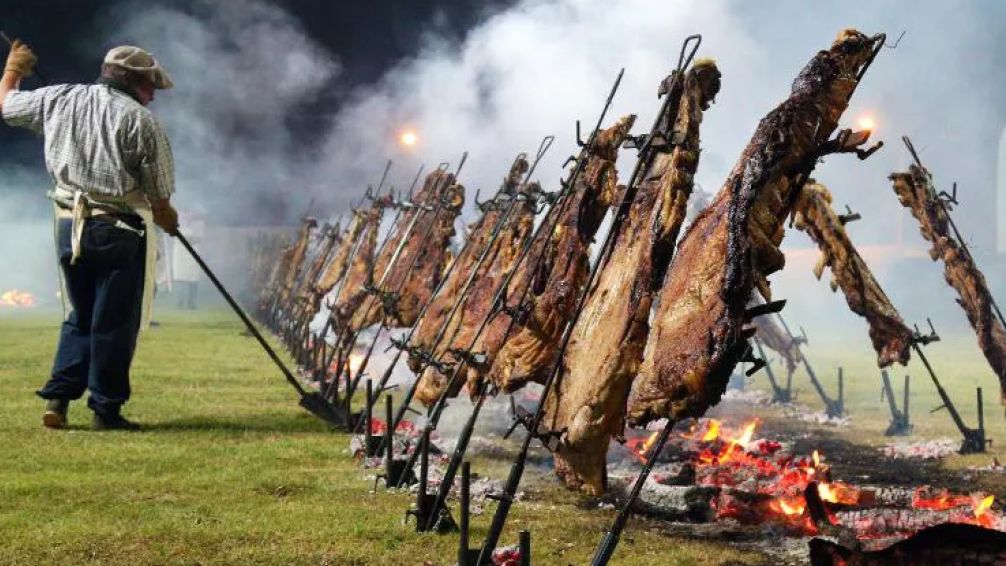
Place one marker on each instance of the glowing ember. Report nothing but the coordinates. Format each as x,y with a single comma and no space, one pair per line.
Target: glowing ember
939,502
867,123
649,442
17,299
758,482
409,138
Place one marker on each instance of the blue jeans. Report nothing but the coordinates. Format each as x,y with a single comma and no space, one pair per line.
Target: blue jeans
97,341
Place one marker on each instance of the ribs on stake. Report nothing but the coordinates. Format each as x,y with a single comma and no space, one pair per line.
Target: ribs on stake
587,402
701,326
916,192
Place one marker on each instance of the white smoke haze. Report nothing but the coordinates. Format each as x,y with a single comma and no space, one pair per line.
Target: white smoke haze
244,70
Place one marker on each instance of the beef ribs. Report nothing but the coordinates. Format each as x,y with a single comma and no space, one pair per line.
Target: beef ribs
700,327
359,275
336,268
421,263
813,214
297,259
915,191
463,329
554,283
480,232
587,401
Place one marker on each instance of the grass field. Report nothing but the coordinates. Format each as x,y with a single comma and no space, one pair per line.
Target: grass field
230,470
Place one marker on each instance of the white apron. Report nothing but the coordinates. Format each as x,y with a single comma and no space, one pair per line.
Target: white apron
81,211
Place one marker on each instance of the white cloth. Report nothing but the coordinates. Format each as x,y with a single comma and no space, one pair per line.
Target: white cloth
81,211
186,268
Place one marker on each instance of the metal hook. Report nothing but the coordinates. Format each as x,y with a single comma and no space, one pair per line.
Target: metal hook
895,44
682,61
949,198
911,149
880,39
546,144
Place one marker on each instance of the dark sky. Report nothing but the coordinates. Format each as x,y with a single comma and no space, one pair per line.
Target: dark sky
367,37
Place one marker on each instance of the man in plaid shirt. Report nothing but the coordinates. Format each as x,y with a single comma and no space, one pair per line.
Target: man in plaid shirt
113,176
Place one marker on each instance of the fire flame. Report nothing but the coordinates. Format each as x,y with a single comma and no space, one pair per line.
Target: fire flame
17,299
712,431
984,505
734,460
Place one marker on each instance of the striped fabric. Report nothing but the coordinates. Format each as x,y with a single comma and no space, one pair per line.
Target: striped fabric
98,141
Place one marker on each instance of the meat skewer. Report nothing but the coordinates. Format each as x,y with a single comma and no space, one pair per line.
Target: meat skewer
773,337
587,402
438,192
338,265
481,234
458,316
527,198
916,192
292,266
511,231
699,331
813,214
649,146
423,260
438,510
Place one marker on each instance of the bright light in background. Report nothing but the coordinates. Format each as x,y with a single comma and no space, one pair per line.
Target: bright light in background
409,138
867,123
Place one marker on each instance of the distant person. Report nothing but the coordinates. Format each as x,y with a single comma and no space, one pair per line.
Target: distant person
113,177
185,270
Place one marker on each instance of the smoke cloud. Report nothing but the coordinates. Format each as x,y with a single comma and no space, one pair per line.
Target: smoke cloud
246,72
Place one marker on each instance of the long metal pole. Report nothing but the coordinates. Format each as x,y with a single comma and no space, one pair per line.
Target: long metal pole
241,314
490,248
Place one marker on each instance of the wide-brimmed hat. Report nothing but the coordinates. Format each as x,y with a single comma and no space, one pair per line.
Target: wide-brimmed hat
140,61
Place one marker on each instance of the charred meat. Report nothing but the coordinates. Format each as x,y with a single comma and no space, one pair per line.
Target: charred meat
700,327
553,273
813,214
915,191
587,402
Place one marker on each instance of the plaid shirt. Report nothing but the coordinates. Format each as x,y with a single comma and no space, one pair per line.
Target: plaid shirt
97,140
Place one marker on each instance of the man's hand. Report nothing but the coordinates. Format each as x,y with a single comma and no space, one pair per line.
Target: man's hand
165,216
21,60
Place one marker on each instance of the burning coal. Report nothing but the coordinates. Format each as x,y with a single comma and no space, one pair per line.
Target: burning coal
17,299
735,476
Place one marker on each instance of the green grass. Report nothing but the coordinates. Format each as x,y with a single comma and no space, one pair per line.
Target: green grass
230,470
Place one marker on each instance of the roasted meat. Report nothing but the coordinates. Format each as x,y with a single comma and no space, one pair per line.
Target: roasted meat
813,214
775,338
431,328
700,327
297,259
336,268
915,191
587,401
328,245
461,330
420,265
555,282
353,291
